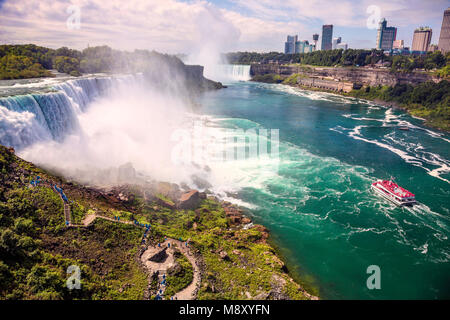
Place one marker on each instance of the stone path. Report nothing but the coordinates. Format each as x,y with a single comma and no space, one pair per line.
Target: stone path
188,293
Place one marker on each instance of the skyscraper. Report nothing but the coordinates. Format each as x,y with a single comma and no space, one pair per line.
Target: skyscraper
315,39
421,39
444,38
327,36
289,45
335,43
385,36
292,45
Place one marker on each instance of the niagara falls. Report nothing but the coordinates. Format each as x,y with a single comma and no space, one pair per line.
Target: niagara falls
217,152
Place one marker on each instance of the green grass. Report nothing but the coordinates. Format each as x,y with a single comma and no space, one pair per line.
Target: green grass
176,281
36,247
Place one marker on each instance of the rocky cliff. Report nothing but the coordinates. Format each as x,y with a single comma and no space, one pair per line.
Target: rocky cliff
362,75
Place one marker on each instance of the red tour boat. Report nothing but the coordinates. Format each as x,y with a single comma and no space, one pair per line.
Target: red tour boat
393,192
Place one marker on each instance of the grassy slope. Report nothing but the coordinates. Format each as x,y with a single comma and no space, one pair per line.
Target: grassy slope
36,248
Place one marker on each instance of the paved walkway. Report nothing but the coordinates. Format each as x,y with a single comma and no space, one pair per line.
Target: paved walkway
188,293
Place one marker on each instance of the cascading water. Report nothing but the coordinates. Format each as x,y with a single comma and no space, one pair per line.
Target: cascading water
229,72
29,118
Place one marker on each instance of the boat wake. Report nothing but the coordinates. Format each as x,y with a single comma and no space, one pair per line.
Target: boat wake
404,144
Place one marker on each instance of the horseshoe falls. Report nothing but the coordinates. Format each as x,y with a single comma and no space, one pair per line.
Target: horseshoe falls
315,198
228,72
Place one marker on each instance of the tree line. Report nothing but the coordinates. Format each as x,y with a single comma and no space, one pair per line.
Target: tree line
350,57
28,61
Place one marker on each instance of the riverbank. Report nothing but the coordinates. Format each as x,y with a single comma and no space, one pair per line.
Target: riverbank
436,115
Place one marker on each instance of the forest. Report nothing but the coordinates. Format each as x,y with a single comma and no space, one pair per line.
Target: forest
30,61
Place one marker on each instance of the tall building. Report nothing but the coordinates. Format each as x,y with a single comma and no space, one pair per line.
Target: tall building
292,45
444,38
315,39
289,45
303,47
398,44
327,36
335,42
421,39
385,36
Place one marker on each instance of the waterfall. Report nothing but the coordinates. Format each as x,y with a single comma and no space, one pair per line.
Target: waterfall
29,118
238,72
229,72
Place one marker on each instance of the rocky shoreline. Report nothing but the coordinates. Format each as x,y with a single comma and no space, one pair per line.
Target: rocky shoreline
239,219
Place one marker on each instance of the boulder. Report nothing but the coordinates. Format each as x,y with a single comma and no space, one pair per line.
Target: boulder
190,200
246,220
159,257
165,203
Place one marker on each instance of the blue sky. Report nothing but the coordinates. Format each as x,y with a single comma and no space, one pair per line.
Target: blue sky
200,26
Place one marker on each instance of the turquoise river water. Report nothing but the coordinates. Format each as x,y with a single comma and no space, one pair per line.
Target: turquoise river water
317,201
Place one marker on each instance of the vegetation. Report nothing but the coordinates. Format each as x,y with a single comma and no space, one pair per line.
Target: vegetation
430,61
28,61
36,247
428,100
268,78
292,79
351,57
180,276
21,67
238,263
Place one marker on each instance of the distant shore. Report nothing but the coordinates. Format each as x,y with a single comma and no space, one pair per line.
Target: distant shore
412,112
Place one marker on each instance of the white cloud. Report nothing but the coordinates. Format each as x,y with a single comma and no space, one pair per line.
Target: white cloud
162,25
175,26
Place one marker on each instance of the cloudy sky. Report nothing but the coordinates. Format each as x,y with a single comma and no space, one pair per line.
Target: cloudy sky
176,26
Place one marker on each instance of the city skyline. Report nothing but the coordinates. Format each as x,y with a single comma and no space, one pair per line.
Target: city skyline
181,26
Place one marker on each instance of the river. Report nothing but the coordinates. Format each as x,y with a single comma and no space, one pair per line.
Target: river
317,201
